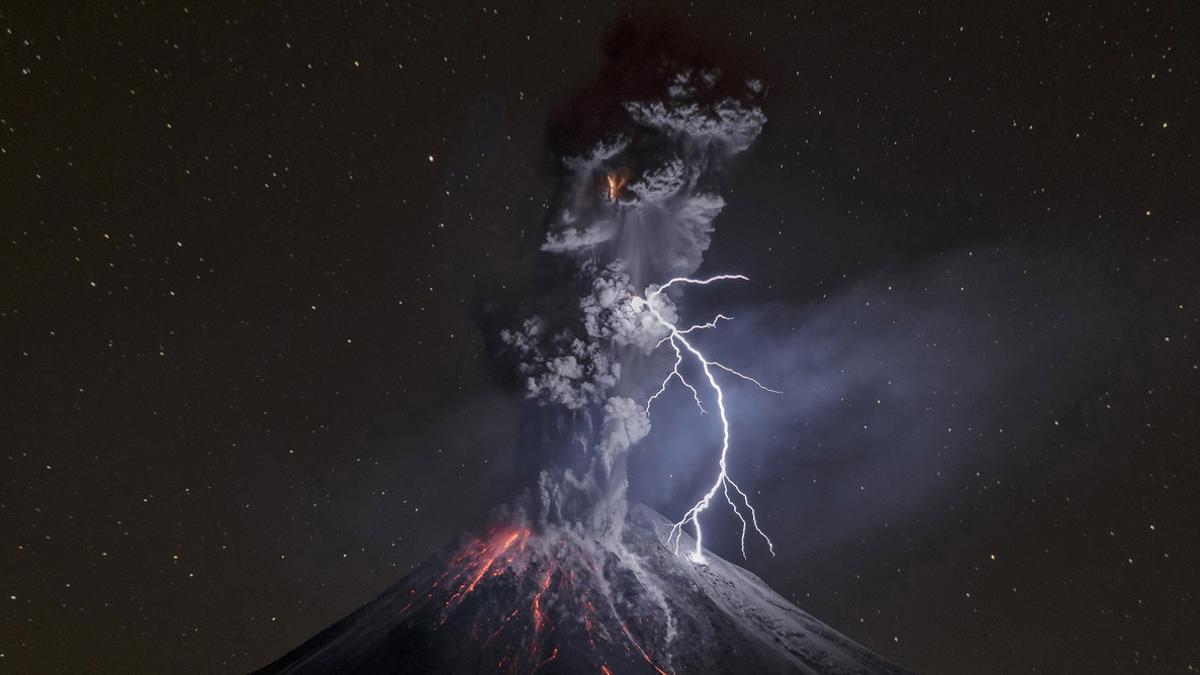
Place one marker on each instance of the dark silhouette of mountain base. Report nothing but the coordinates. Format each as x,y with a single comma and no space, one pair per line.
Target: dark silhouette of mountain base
561,601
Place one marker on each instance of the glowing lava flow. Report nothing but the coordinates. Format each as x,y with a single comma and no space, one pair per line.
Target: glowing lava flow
723,482
485,560
542,587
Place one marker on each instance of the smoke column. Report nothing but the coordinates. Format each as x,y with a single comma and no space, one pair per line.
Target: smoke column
632,219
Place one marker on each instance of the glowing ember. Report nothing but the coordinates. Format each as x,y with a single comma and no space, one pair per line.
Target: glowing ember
616,181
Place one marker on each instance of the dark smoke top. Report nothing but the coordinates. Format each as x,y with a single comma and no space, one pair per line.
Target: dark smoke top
642,56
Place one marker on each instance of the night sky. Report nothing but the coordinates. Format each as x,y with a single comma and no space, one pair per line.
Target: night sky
251,256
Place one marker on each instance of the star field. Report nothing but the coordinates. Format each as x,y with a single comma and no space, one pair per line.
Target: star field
251,253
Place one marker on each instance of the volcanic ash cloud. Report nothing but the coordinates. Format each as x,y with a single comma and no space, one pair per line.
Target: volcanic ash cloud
636,208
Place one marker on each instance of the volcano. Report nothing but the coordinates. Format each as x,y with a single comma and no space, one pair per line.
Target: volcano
562,600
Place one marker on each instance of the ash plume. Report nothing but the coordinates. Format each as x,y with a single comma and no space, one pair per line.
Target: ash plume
570,577
636,205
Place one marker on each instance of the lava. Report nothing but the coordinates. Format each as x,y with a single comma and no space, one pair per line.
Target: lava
485,560
527,636
503,623
539,617
641,650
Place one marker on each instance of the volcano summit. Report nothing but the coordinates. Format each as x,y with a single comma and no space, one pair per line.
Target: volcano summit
515,601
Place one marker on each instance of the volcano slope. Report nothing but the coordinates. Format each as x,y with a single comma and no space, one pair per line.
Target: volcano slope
560,601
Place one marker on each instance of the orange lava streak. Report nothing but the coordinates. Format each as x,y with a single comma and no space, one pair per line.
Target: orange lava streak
635,643
539,617
496,552
501,628
588,612
605,670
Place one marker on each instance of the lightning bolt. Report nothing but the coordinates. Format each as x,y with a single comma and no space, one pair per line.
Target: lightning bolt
676,338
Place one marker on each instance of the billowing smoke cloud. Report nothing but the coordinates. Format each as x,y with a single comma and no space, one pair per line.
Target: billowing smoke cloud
560,367
623,426
635,207
659,223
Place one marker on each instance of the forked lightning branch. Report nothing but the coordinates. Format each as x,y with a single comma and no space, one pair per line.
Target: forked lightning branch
676,337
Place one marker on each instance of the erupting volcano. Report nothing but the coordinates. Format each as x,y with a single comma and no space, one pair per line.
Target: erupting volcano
570,578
